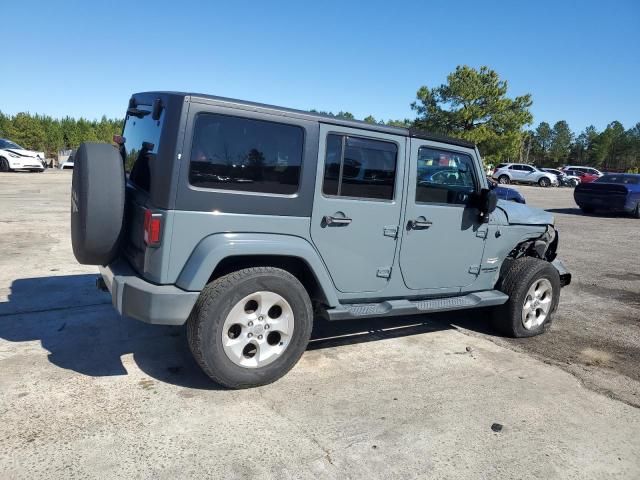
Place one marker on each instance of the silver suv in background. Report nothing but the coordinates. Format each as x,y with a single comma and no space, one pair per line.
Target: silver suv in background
522,173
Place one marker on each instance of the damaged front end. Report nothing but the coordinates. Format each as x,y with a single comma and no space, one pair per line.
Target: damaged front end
544,247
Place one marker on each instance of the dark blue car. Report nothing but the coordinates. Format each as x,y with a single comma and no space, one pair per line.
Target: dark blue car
505,193
614,192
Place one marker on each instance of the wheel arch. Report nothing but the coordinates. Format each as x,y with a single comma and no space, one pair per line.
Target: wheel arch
219,254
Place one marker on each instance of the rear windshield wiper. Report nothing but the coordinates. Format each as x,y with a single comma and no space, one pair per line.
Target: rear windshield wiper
136,112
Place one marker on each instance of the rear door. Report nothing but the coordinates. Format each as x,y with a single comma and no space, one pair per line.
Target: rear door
357,206
443,239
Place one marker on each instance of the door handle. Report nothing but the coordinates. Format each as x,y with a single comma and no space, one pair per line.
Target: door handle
419,224
337,221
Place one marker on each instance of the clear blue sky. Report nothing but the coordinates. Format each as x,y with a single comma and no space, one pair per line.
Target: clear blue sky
579,60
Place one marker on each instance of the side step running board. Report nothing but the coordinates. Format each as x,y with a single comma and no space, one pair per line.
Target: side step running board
412,307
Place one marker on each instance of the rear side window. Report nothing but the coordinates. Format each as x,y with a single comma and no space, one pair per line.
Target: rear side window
243,154
359,167
141,135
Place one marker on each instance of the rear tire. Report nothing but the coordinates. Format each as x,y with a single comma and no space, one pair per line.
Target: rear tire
221,316
504,180
636,212
533,286
4,165
544,182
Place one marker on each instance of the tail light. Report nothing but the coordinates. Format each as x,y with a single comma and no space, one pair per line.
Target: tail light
152,228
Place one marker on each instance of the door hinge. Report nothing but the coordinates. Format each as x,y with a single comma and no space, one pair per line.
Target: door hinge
384,272
482,233
391,231
475,269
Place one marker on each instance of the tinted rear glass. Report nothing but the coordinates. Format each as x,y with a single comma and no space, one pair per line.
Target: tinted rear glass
234,153
141,139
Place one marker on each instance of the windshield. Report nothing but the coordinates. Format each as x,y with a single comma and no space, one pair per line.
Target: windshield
624,179
8,144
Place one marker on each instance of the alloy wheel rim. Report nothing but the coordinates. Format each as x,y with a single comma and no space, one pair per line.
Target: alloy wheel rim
258,329
537,304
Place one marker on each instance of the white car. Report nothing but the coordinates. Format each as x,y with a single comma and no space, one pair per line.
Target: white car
67,165
522,173
14,157
564,179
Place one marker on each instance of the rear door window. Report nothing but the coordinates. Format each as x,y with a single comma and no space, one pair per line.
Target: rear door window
243,154
359,167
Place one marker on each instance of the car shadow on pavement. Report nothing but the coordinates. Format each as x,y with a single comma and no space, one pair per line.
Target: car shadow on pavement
81,331
568,211
577,211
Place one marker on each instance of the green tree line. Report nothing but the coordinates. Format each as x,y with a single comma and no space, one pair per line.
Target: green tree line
614,148
47,134
473,104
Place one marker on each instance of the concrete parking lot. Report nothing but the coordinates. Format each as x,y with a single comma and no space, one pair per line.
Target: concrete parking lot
87,394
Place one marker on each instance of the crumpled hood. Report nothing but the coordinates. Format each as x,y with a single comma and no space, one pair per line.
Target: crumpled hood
520,214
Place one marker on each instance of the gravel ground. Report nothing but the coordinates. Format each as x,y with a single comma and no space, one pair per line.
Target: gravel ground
87,394
596,332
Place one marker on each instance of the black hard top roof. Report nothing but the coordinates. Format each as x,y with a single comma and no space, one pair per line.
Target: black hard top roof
290,112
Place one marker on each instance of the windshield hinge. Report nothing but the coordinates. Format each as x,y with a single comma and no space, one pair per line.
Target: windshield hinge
391,231
384,272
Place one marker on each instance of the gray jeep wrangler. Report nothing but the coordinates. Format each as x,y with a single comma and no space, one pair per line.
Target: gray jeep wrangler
247,220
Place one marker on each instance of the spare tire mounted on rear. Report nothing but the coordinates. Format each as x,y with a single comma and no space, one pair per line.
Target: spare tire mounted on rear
97,203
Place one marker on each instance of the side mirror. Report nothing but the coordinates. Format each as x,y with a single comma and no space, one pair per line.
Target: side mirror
486,201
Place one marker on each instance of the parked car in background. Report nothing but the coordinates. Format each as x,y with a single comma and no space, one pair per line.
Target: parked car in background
584,176
67,164
617,192
506,173
587,170
506,193
564,180
15,157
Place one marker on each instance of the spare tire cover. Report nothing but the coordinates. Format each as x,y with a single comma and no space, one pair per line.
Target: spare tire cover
97,203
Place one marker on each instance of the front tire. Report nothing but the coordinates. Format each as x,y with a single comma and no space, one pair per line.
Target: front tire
544,182
250,327
533,286
4,165
636,212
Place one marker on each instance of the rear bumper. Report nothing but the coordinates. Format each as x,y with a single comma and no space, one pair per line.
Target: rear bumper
565,275
134,297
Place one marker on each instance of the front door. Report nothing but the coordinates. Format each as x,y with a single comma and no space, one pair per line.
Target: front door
357,206
443,239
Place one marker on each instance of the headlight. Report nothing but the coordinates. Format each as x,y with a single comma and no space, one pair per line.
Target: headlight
11,154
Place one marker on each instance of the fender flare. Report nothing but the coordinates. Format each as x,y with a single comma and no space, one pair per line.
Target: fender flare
214,248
